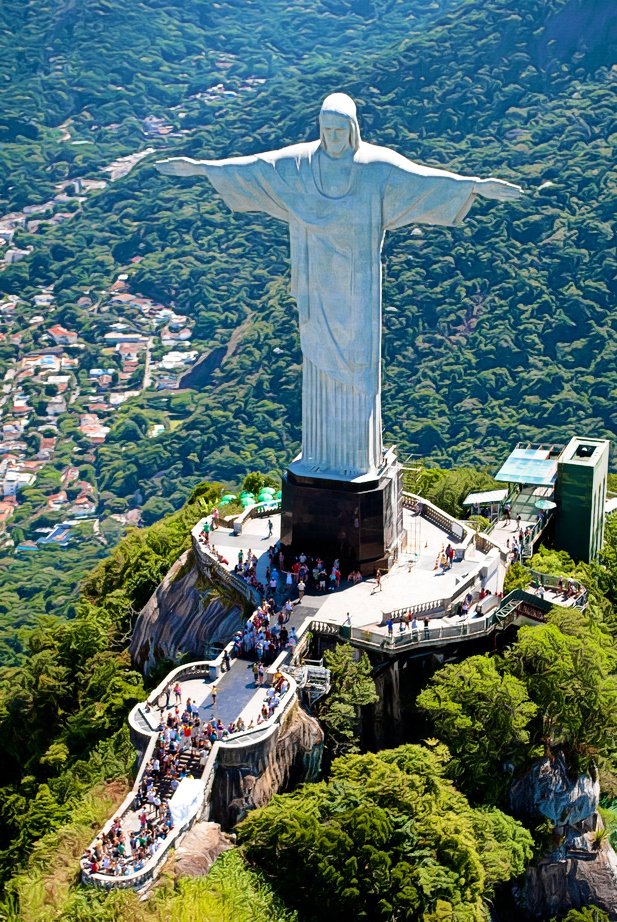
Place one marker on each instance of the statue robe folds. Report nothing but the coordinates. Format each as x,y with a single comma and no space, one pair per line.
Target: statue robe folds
335,245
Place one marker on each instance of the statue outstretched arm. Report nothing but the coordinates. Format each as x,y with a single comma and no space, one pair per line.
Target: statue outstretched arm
498,189
245,183
183,166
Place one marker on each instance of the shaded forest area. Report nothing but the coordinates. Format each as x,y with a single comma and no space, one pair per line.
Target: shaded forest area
499,330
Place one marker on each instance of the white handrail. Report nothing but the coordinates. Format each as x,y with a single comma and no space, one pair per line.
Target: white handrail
138,878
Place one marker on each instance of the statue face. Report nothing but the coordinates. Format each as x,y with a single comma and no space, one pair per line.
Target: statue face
336,131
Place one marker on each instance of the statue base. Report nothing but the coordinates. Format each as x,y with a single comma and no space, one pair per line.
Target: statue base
360,521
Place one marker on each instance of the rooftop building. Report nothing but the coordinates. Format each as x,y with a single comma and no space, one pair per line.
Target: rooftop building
582,472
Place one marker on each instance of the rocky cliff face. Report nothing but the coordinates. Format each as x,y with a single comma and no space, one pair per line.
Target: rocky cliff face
576,876
185,614
248,776
200,848
582,869
547,790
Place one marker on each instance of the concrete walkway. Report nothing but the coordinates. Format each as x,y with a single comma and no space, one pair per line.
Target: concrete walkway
254,537
234,691
412,581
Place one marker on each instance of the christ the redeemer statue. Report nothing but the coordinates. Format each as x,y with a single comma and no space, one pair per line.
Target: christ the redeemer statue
339,195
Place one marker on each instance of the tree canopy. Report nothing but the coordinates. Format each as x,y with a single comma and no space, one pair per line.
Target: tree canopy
387,837
352,687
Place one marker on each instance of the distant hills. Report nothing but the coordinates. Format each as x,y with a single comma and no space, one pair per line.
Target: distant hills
499,330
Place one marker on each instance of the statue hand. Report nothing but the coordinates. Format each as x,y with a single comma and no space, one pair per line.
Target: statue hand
498,189
173,166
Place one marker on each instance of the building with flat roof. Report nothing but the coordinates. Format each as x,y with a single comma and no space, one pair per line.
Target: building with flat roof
556,493
582,472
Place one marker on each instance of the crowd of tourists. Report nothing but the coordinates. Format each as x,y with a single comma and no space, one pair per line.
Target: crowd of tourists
283,578
119,852
266,634
245,568
182,747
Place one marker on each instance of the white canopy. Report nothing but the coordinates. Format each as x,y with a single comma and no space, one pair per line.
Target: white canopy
486,498
186,800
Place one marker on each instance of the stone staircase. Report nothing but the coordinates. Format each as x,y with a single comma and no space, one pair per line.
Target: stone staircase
187,761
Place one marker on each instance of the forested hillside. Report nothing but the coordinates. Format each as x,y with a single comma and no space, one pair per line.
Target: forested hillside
430,821
498,330
502,329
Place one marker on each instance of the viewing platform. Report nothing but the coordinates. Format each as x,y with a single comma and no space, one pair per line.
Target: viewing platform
238,697
417,584
421,604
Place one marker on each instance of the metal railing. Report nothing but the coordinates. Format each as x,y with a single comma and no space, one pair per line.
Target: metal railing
579,596
436,606
431,636
210,563
535,606
436,516
536,530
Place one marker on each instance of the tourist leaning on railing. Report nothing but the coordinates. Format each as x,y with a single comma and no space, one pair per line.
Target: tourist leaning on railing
118,854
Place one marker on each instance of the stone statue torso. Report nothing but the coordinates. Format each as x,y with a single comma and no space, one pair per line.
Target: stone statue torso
337,210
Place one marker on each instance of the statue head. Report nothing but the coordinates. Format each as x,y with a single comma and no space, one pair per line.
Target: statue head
338,124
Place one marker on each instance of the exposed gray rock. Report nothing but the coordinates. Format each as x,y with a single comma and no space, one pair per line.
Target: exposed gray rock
547,790
582,869
566,881
248,776
184,615
200,848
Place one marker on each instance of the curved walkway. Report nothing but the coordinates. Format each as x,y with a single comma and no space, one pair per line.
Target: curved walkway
358,613
238,696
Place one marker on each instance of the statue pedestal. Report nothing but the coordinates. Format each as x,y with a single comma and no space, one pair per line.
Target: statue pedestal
358,521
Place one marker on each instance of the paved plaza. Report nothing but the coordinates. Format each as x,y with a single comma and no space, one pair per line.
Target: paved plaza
414,580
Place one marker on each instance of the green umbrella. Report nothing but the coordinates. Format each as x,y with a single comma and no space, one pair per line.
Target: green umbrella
269,490
228,497
247,501
545,504
279,495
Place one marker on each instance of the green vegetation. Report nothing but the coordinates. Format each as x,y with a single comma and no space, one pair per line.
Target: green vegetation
484,717
42,583
447,488
387,837
485,326
63,710
589,914
232,892
352,687
555,688
497,331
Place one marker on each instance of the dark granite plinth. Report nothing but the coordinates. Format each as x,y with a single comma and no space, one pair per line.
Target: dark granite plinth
359,522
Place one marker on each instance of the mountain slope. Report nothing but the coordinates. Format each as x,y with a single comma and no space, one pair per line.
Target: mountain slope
499,330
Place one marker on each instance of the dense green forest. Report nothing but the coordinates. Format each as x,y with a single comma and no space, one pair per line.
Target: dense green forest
485,326
500,330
